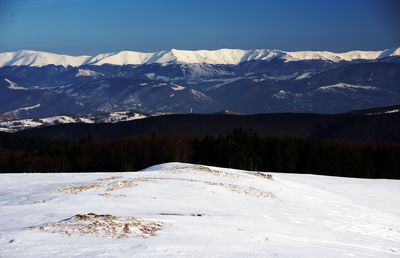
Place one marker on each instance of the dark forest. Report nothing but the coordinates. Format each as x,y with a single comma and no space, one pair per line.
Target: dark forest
241,149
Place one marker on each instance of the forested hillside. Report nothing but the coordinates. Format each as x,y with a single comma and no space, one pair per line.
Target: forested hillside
241,149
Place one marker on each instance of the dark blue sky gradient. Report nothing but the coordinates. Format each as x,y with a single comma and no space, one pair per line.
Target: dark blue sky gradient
96,26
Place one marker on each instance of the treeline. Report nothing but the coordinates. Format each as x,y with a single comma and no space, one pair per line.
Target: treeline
246,150
129,154
241,149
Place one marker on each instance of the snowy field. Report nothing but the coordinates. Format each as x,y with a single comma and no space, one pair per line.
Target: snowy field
180,209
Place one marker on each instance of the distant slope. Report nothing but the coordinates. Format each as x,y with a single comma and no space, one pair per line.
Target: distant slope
13,125
351,127
337,90
378,110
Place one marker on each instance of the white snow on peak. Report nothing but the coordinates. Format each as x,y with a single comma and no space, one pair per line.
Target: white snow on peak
212,57
215,57
390,52
261,54
221,56
122,58
330,56
38,59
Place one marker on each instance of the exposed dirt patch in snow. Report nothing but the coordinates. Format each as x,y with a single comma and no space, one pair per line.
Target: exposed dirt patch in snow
104,226
207,170
121,184
248,190
112,178
78,189
181,214
129,183
41,201
261,174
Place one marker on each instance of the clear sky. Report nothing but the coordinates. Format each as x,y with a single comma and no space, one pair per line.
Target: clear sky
90,27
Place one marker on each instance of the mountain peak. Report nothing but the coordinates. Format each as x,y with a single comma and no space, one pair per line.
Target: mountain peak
223,56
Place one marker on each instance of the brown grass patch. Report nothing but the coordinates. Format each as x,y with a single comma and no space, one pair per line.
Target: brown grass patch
105,194
248,190
78,189
196,215
261,174
171,214
125,184
121,184
104,226
42,201
181,214
110,178
210,171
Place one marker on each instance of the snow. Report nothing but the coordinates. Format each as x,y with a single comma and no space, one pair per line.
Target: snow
392,111
178,88
114,117
334,57
200,96
120,116
122,58
384,112
177,209
150,75
38,59
58,120
86,120
16,125
174,56
390,52
12,126
304,76
259,80
345,86
281,94
89,73
14,86
16,111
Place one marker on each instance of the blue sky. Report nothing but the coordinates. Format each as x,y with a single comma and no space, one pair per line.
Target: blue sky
96,26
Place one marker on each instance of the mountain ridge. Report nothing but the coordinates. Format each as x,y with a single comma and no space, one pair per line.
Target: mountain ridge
174,56
270,82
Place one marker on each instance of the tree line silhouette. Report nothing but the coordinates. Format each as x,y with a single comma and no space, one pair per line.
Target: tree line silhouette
242,149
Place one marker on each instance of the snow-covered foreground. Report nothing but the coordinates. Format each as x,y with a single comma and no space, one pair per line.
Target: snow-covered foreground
191,210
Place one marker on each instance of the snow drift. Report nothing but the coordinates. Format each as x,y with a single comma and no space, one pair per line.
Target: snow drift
179,209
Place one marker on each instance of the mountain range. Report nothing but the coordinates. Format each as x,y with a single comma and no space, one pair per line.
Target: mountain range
37,84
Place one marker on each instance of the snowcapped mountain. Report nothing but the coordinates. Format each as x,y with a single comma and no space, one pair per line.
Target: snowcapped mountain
245,81
213,57
37,59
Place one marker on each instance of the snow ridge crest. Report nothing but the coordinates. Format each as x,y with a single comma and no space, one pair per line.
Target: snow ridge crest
175,56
